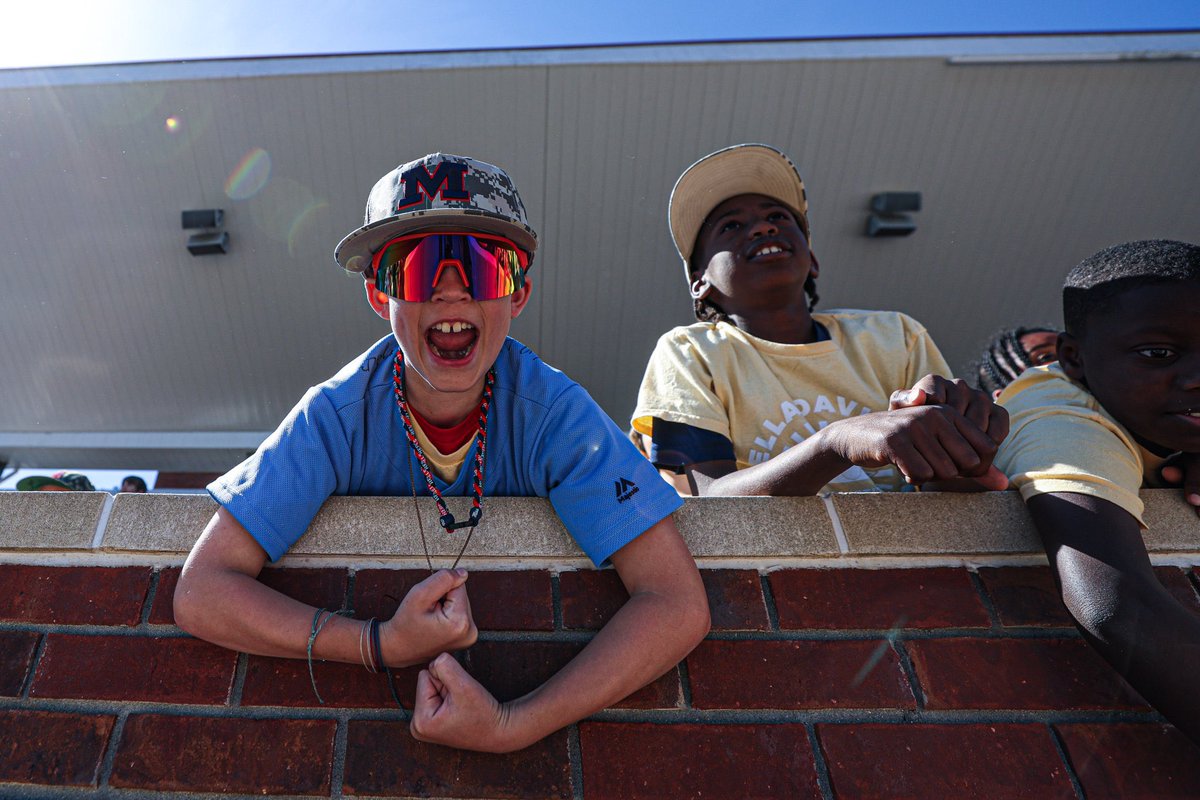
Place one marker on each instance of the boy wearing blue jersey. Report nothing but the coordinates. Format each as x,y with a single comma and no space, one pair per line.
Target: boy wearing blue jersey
449,405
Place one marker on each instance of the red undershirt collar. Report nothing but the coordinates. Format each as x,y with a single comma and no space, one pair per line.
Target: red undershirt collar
448,440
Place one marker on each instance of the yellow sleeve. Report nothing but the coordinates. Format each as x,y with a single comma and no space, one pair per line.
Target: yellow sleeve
1056,449
678,387
924,358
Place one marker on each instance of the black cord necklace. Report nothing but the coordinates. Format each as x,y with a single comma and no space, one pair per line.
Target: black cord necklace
445,517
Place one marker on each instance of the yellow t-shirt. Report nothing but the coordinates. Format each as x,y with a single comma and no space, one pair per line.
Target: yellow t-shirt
764,396
1062,440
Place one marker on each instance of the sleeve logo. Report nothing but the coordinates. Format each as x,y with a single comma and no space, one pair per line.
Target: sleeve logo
625,489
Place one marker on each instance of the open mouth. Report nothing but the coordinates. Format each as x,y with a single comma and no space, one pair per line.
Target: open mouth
768,249
452,341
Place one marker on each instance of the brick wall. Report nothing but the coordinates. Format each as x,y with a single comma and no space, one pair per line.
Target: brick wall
842,682
852,655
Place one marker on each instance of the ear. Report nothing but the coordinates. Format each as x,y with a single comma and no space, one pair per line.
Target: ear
521,296
699,287
377,299
815,270
1070,357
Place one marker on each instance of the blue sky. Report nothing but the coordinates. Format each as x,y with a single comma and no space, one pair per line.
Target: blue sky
77,32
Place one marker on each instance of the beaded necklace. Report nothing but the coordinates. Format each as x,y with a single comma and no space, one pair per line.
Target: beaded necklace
445,517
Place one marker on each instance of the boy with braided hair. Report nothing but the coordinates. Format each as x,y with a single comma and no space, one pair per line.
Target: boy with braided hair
1120,410
449,405
1010,352
765,396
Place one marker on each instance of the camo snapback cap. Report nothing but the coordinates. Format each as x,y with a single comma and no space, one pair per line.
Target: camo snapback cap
437,192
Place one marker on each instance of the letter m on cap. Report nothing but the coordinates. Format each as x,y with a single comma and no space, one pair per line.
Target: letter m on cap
448,180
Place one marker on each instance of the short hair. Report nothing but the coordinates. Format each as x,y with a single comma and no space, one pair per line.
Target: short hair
1093,283
1004,358
136,480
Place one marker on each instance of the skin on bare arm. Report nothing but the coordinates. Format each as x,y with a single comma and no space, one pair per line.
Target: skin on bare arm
926,442
219,599
1100,563
665,617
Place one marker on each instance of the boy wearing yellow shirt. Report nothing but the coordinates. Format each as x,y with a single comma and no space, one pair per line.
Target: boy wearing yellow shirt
1121,408
762,395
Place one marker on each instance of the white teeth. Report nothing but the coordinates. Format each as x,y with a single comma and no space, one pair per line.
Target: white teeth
769,250
453,327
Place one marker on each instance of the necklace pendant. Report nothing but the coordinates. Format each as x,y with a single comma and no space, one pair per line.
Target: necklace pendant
450,525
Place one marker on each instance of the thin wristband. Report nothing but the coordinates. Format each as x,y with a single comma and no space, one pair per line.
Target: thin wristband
364,646
378,653
314,630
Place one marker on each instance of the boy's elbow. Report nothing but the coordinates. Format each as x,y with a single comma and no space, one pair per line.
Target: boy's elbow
188,607
1112,615
697,621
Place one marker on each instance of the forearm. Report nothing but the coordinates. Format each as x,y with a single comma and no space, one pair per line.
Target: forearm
1108,584
648,636
799,471
235,610
1157,649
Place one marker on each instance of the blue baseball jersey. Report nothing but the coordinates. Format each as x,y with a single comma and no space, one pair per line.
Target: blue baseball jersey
546,438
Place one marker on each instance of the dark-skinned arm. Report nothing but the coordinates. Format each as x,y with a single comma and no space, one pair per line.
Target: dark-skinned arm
1103,571
925,442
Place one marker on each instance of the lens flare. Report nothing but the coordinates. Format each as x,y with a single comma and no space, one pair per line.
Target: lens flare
172,124
249,176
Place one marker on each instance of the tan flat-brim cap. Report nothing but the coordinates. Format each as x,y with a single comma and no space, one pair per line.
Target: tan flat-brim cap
740,169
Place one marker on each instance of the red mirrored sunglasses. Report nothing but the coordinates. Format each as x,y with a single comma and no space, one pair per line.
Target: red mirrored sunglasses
409,267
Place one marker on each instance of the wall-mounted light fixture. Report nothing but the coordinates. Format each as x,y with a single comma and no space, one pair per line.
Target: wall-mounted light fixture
212,241
889,215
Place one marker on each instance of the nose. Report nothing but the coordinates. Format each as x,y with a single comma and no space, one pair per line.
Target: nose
450,283
763,227
1188,372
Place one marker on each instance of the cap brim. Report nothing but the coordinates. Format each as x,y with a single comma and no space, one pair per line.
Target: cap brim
354,253
35,482
736,170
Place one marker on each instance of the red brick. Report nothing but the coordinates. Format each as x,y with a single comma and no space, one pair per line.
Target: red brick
1025,596
513,669
16,656
624,760
1129,760
378,592
1177,583
205,754
799,674
590,598
512,601
286,682
735,599
877,599
44,747
1017,674
517,600
960,761
321,588
161,611
134,668
73,595
382,758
